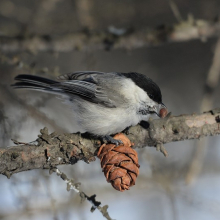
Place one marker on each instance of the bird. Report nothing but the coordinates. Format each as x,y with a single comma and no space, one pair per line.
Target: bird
104,103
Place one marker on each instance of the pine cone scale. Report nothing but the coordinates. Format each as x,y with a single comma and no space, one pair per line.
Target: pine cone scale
125,150
107,170
118,158
117,184
134,159
107,158
130,167
133,178
117,173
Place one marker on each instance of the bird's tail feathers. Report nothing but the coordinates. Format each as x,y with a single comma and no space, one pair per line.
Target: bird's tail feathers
35,83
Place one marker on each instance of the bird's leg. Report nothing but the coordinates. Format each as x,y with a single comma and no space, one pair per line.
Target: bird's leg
144,124
109,139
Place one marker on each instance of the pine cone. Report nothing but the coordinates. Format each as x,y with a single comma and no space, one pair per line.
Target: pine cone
119,163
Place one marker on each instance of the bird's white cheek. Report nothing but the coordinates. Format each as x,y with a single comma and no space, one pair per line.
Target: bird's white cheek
141,95
145,117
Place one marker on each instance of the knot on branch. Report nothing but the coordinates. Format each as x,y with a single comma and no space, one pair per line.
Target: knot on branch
157,131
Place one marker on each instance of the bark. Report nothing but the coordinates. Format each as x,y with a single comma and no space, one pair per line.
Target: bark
54,149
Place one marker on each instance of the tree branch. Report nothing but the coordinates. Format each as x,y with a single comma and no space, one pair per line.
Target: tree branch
51,150
113,38
207,102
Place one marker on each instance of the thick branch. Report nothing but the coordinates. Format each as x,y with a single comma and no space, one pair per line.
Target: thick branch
113,38
53,149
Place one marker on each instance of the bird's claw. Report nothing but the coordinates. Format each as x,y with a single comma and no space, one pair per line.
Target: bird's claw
110,140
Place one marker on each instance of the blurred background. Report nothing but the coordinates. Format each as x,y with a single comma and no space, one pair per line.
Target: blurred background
186,185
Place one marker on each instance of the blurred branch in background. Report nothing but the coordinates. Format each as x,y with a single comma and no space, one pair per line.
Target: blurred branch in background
175,11
30,68
6,127
84,16
32,111
113,38
212,82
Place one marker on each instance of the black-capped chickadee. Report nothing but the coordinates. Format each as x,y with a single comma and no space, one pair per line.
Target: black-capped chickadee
103,103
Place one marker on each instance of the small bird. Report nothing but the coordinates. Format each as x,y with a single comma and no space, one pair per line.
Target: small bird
103,103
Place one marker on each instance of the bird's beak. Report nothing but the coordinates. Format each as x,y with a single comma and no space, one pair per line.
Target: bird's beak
155,110
162,105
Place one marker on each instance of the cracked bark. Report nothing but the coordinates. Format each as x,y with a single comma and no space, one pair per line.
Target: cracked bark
55,149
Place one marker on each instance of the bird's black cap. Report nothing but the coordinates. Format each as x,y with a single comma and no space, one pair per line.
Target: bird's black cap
147,84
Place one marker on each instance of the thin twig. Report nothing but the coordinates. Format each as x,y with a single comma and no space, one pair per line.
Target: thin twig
175,10
71,185
160,147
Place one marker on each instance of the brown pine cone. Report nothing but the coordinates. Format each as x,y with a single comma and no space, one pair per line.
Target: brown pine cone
119,163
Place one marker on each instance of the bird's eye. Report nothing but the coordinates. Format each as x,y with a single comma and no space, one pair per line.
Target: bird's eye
151,96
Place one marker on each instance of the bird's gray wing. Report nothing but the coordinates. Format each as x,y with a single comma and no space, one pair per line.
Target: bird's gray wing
91,86
80,75
87,90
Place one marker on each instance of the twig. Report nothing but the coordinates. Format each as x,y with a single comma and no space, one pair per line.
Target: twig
160,147
175,10
75,187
